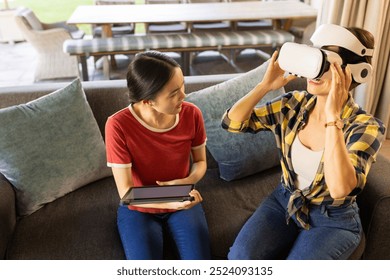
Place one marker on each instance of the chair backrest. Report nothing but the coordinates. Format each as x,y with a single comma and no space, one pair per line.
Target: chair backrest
114,2
243,0
30,19
206,1
163,1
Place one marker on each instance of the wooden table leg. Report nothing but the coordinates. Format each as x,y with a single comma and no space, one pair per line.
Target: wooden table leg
185,56
84,67
106,33
287,24
284,24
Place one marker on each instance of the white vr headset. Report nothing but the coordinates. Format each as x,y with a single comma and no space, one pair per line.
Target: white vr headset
312,62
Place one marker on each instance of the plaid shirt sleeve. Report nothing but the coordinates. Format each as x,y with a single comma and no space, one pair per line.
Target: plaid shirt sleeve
262,118
273,114
363,140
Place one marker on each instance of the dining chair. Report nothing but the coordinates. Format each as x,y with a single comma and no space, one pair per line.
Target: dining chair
170,27
209,26
302,29
242,25
47,39
117,29
251,24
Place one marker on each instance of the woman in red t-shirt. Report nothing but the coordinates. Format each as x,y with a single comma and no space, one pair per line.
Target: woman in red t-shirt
152,142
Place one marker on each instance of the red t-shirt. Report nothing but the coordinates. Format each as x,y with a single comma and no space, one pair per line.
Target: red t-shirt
154,154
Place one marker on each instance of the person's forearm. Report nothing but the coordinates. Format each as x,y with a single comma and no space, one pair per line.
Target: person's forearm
123,180
340,175
242,109
197,172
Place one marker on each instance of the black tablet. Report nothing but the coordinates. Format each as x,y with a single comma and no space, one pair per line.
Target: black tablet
157,194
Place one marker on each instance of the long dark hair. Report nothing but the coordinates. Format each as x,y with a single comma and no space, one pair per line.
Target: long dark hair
147,74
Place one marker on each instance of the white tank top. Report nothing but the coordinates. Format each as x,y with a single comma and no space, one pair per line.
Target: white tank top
305,163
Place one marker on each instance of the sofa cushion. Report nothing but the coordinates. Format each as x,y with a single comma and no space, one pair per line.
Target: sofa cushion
78,226
228,205
50,147
238,155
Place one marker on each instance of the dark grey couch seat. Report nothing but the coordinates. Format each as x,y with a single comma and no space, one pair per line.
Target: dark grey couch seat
229,204
80,225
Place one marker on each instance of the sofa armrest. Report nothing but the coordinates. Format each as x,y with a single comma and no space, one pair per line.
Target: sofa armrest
374,203
195,83
7,214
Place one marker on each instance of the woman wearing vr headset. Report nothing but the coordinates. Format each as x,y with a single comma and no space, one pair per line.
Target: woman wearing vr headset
327,144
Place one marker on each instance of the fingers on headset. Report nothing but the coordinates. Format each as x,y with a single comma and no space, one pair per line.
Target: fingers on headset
291,77
274,56
335,74
340,71
348,74
345,75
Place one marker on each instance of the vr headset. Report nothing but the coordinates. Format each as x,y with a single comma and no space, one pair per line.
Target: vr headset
312,62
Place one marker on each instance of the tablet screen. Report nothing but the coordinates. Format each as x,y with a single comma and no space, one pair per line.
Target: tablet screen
155,194
161,191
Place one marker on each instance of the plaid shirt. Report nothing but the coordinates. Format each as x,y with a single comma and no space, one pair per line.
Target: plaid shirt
285,116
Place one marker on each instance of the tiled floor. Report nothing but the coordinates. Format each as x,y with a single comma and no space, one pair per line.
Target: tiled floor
17,64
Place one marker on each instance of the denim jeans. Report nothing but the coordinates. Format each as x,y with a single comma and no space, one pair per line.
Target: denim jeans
335,232
142,233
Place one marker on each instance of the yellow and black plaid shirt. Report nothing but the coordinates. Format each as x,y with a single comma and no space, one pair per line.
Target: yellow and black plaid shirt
285,116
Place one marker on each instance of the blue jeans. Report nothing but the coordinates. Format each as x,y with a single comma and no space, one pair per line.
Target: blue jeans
142,233
334,234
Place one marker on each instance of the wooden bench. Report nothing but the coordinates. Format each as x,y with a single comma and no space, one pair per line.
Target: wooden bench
186,42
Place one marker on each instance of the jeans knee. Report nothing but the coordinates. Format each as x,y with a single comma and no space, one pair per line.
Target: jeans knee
232,255
239,253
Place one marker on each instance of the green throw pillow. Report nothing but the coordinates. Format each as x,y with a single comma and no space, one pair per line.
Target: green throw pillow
50,147
238,155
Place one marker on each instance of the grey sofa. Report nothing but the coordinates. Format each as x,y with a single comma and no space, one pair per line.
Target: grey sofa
82,224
